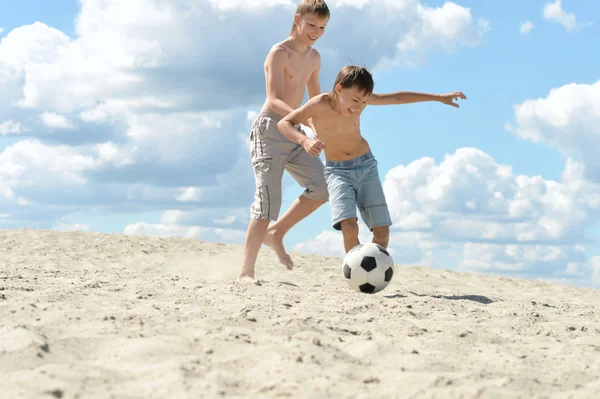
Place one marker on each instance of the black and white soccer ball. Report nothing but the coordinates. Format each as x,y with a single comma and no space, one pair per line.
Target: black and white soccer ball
368,268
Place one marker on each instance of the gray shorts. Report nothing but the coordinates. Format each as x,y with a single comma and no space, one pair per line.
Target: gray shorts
355,183
271,154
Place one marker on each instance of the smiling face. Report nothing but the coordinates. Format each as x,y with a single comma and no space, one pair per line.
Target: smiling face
351,100
352,89
310,27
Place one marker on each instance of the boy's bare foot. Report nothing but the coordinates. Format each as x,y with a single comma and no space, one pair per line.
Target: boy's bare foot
248,280
276,243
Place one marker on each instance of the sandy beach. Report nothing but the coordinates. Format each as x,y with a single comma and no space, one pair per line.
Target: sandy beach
91,315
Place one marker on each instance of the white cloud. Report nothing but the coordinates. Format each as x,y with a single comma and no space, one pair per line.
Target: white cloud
190,194
209,217
29,162
444,28
468,196
567,119
119,55
326,243
9,127
482,257
251,5
202,233
56,121
66,226
555,13
29,45
526,27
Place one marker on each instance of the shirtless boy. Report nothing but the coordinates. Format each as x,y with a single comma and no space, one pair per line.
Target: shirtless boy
291,67
351,169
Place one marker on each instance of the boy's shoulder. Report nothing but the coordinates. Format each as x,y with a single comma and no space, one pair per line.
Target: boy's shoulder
322,97
278,49
313,52
283,48
321,101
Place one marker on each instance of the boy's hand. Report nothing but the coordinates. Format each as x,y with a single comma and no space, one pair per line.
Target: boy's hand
313,146
448,98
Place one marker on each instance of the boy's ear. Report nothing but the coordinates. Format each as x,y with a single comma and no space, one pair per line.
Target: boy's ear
338,88
296,18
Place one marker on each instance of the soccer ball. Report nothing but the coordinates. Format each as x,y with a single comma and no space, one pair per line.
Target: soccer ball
368,268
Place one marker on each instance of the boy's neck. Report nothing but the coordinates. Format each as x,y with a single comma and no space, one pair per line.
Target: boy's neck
334,104
296,44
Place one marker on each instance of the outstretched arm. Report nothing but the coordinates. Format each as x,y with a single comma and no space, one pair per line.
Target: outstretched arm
307,111
408,97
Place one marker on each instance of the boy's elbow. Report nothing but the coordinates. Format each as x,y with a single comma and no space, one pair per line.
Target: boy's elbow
281,125
272,99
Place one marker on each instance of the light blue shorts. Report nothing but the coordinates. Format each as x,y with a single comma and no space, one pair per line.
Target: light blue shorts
355,183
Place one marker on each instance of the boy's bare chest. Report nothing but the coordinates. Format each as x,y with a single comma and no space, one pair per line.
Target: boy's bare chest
337,128
299,69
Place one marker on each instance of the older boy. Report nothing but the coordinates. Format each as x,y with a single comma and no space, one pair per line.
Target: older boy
291,67
351,169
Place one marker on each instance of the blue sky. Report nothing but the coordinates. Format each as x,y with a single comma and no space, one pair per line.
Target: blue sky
135,121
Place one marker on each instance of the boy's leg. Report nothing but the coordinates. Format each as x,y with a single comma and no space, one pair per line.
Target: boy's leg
342,200
308,172
381,235
268,168
372,204
300,209
254,239
265,208
350,233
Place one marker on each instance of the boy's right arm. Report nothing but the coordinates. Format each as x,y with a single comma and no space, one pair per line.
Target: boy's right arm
286,125
275,69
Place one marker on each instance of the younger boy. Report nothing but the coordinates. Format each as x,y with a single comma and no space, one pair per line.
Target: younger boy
351,169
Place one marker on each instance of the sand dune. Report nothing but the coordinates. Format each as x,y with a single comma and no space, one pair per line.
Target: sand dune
89,315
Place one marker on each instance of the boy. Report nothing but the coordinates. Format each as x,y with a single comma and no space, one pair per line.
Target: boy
291,67
351,169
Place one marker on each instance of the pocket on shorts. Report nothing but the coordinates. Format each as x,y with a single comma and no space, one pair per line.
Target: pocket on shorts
262,168
257,129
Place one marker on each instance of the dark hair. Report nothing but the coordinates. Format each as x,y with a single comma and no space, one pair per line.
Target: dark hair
318,7
354,76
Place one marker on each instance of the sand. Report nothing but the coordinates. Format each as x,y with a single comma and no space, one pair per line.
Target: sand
90,315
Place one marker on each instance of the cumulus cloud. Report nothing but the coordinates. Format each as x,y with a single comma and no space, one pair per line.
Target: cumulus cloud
9,127
555,13
567,119
202,233
56,121
526,27
444,28
468,196
66,226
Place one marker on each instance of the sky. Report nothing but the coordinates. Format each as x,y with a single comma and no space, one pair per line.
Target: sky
133,117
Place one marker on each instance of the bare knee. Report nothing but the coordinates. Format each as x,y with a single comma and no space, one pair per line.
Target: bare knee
349,227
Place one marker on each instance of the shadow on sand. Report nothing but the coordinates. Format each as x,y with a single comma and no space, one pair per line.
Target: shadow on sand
475,298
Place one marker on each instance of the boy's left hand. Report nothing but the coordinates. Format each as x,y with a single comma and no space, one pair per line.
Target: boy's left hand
448,98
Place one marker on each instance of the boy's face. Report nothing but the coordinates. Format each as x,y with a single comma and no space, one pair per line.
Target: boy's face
310,27
352,100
